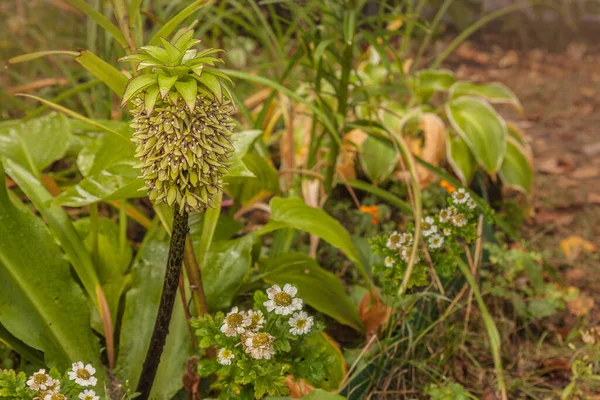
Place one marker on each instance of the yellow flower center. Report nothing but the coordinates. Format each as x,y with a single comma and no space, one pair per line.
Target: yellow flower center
426,226
235,320
226,354
459,218
395,239
283,299
83,373
300,323
261,340
40,378
254,321
459,196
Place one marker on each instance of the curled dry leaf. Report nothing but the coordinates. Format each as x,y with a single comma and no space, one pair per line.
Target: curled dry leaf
581,306
433,148
373,313
573,246
298,388
353,140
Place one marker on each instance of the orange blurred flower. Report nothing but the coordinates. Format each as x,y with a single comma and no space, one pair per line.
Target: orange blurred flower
374,211
447,185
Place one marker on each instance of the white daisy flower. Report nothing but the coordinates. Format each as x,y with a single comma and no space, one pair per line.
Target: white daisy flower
254,320
459,220
405,255
283,302
436,241
393,241
55,396
88,395
53,386
260,345
406,239
445,215
460,196
83,375
428,227
225,356
233,324
40,381
447,231
301,323
471,204
388,262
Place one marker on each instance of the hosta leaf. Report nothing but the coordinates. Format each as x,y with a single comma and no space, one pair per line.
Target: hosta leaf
516,170
136,85
263,183
461,159
378,159
319,288
431,81
493,92
482,129
40,303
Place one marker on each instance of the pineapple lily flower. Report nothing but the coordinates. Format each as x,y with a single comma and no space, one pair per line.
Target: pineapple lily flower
181,122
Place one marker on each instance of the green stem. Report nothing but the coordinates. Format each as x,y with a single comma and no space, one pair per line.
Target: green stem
94,231
165,309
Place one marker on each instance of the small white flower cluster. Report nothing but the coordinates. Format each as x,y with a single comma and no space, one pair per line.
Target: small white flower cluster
49,388
435,229
248,324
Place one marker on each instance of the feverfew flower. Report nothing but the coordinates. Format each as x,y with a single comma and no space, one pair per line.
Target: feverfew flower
83,375
445,215
394,241
428,227
459,220
260,345
254,320
283,302
447,231
88,395
40,381
460,196
55,396
436,241
471,204
405,255
233,323
301,323
388,262
225,356
406,239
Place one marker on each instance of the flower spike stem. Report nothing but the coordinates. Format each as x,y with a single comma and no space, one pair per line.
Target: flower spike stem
165,309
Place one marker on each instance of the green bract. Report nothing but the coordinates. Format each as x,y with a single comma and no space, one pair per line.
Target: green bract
181,122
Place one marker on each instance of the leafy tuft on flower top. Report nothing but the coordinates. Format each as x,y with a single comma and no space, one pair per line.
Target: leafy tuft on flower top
181,120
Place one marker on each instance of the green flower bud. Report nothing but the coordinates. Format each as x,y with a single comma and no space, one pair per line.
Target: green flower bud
182,124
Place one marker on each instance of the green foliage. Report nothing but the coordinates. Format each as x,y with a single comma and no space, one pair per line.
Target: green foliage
450,391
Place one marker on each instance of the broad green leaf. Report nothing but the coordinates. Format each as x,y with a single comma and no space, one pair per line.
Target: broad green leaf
227,263
319,288
378,159
242,143
141,307
226,227
493,92
434,80
516,170
113,259
37,143
40,303
188,91
60,224
165,83
117,182
294,213
482,129
106,150
103,71
264,182
461,159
